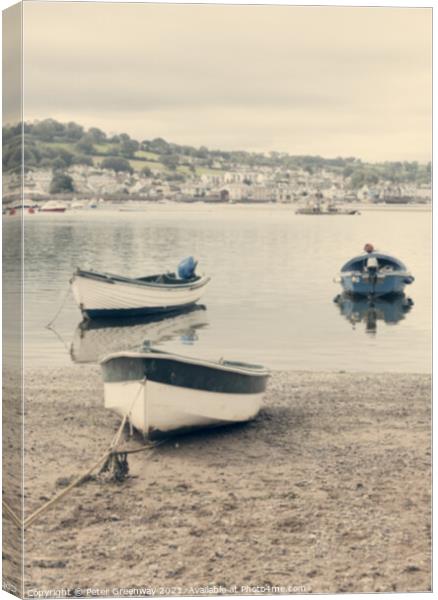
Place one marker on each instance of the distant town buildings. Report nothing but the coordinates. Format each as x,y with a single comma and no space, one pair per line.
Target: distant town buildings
240,185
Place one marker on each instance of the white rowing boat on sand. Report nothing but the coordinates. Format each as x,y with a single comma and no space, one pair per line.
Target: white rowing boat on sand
165,394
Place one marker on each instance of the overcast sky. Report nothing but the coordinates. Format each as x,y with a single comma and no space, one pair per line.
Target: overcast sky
333,81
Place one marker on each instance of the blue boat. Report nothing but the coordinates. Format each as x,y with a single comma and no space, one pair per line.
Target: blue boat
374,274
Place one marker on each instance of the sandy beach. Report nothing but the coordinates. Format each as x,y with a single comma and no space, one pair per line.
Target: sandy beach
328,490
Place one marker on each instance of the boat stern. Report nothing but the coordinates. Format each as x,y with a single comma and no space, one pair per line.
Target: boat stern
382,285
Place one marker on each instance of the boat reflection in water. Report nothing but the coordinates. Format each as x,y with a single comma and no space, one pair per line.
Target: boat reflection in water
391,310
95,339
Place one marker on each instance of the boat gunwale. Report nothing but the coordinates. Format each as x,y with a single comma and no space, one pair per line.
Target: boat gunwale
112,279
398,263
385,274
256,370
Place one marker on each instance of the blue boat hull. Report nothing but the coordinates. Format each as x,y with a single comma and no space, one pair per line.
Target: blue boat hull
388,286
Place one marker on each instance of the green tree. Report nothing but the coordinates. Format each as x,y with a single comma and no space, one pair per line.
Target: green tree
60,183
65,156
73,131
202,152
58,164
85,145
117,165
128,148
96,135
357,179
159,145
146,172
429,171
48,129
11,157
170,161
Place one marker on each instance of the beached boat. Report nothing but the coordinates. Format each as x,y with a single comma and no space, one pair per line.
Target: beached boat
53,206
165,394
104,295
371,311
374,274
95,339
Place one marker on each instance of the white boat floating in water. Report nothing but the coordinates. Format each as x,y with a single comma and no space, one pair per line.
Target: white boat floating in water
165,394
326,210
104,295
53,206
319,206
78,204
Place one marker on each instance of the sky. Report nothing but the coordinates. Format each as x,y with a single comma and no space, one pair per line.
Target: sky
332,81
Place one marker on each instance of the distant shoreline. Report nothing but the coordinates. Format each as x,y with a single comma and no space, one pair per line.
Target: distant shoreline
120,203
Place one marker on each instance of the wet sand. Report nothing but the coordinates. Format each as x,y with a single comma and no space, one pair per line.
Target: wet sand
328,490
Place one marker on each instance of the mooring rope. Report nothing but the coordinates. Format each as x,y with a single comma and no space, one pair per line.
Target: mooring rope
110,451
59,309
11,513
57,498
60,338
27,522
146,447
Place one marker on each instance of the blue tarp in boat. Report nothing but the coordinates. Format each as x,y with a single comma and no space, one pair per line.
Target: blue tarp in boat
187,267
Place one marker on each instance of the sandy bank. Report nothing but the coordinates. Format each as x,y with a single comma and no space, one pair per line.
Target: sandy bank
328,489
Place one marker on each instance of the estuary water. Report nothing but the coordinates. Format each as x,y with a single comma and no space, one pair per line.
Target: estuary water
270,299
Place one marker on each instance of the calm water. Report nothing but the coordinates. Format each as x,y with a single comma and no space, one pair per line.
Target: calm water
270,299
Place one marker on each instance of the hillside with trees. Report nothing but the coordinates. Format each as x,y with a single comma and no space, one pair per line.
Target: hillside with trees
49,144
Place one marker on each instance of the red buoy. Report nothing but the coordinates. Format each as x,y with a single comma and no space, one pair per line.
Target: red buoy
31,210
368,248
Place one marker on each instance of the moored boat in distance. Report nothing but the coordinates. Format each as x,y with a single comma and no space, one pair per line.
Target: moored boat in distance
53,206
104,295
164,394
78,204
319,207
374,274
